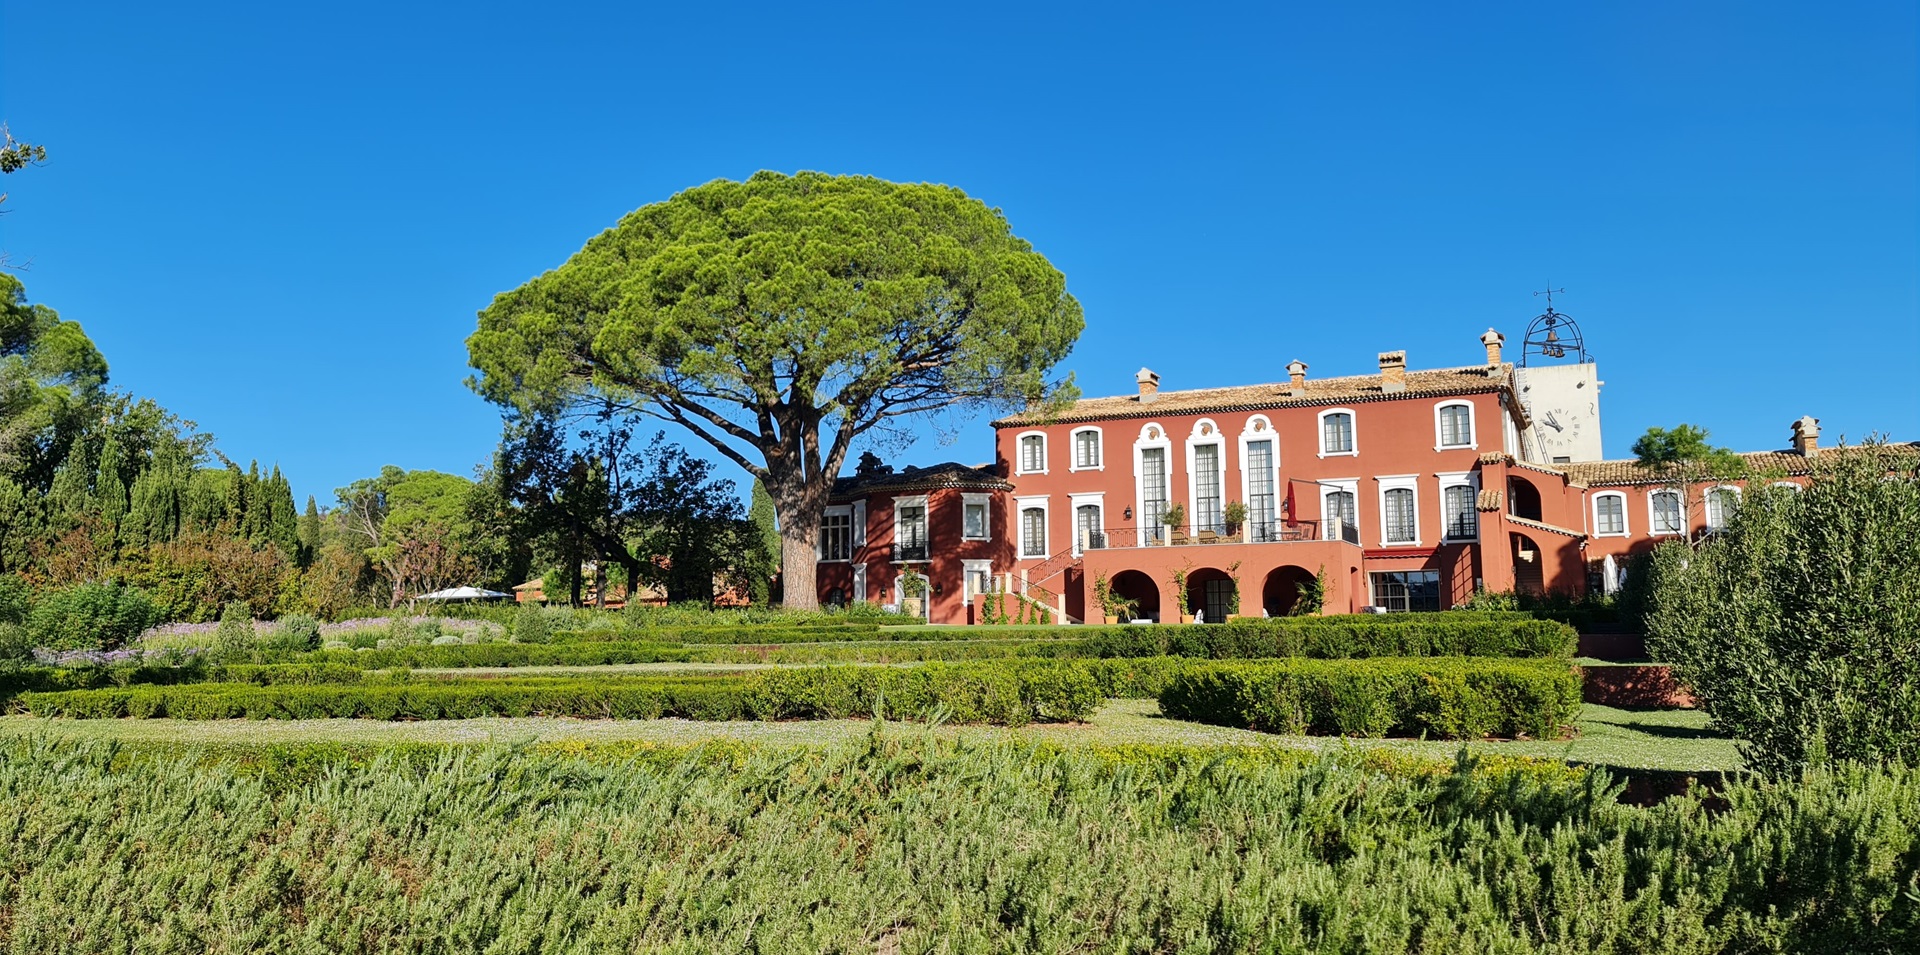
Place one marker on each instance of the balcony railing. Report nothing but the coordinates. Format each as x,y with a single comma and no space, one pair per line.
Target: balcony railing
903,552
1261,532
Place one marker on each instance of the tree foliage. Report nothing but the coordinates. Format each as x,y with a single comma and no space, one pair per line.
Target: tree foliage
781,318
1798,625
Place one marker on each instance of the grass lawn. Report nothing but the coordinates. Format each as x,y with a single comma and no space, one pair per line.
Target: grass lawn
1663,739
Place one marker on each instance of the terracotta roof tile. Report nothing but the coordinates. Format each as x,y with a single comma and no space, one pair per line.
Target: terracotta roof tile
1433,383
1764,463
948,474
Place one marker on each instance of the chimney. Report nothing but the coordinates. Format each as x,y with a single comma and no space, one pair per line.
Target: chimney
1393,371
1806,436
1149,385
1493,340
1297,377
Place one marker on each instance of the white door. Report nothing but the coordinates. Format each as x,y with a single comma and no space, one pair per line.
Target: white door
860,582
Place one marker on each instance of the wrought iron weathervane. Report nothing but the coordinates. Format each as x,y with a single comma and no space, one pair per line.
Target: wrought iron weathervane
1553,335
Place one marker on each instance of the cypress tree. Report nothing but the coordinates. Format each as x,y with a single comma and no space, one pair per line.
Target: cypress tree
72,483
282,524
110,489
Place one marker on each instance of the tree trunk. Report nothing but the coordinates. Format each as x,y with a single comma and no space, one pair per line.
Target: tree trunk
799,506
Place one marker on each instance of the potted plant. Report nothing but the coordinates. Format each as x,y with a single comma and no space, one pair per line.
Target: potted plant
1175,517
1234,515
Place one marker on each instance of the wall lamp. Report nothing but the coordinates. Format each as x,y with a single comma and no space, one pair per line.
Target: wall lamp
1128,513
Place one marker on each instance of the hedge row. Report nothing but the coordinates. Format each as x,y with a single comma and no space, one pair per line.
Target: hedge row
1351,637
501,655
756,633
1009,693
1458,698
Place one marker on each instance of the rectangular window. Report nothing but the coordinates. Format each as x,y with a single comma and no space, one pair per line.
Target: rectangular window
1153,493
1666,512
1260,500
836,535
1336,433
1206,488
1456,426
910,537
974,521
1463,522
1033,454
1720,507
1340,515
1399,516
1086,449
1033,532
1401,591
1612,512
1087,533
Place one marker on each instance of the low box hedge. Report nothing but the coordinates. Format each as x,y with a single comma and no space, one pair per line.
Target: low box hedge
1449,698
1349,637
1001,692
501,655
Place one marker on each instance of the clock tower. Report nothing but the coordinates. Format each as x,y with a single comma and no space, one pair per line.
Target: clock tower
1559,385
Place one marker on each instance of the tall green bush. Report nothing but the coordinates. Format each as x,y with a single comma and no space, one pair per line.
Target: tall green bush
90,617
1798,625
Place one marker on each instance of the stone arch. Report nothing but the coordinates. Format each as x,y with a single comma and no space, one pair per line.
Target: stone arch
1523,498
1136,586
1529,565
1280,593
1211,589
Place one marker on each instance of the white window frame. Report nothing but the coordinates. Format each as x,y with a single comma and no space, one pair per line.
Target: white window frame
1467,479
1653,521
1790,485
1196,439
1626,522
1141,445
914,500
1327,488
1440,434
1020,455
1706,505
985,503
1353,433
1073,449
1398,482
1087,499
837,510
1021,505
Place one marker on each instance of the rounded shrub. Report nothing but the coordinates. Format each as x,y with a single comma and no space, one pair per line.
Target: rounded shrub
90,617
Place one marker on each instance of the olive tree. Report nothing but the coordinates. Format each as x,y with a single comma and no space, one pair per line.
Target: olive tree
781,318
1798,625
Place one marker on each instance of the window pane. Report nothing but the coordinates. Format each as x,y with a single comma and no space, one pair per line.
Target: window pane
1260,497
1153,491
1086,449
1613,517
1033,453
836,537
1336,433
1666,513
975,520
1720,505
1340,511
1456,426
1206,488
1399,516
1086,526
1033,523
1463,522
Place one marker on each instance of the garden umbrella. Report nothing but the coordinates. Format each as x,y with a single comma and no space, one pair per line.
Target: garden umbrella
463,593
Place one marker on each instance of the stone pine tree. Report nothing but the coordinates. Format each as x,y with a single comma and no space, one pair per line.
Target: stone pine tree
781,318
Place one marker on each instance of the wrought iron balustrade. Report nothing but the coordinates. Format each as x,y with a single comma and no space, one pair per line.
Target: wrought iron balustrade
910,551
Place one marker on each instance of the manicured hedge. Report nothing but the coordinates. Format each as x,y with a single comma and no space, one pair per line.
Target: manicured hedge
501,655
277,674
1451,698
1011,693
48,679
751,633
891,651
1355,636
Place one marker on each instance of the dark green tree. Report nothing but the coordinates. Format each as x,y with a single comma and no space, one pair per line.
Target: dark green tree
781,318
760,511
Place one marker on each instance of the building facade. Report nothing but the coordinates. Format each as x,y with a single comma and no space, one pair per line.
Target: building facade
1401,490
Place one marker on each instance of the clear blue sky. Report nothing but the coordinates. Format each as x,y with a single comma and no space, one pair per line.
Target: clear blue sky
280,219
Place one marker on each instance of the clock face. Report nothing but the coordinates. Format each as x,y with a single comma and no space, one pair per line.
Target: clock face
1559,426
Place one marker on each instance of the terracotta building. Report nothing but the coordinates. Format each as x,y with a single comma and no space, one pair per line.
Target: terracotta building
1400,490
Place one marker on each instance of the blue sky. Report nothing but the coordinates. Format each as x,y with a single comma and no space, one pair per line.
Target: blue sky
279,220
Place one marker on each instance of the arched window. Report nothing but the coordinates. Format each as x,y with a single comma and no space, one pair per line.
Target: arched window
1087,452
1665,512
1462,520
1032,453
1453,425
1339,512
1610,514
1150,454
1033,532
1336,432
1398,516
1260,479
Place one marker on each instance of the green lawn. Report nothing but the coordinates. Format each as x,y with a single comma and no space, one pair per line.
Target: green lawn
1664,739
